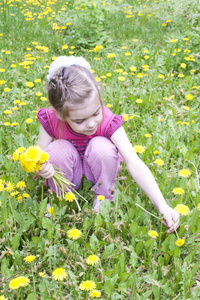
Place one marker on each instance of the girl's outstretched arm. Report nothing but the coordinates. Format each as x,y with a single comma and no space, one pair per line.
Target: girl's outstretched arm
43,141
144,178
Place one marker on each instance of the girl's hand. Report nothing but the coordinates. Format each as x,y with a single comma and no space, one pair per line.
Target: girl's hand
47,170
171,218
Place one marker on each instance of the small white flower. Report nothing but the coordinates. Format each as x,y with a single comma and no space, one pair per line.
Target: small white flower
66,61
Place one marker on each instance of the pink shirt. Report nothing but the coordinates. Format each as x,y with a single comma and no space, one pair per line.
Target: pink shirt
58,129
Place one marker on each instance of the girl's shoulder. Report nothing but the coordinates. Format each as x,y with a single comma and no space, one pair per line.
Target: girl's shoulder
110,122
48,120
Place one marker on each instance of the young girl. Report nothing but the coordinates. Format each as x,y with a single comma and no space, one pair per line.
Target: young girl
83,136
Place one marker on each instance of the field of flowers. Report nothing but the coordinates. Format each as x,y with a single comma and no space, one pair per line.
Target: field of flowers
145,55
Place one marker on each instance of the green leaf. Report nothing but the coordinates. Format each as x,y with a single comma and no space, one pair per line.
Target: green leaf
15,241
42,210
36,240
94,243
133,259
133,228
31,296
6,272
108,250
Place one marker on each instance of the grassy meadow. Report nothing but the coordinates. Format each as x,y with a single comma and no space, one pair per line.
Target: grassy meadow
145,55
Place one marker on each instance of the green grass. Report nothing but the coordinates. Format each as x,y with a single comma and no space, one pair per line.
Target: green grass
160,34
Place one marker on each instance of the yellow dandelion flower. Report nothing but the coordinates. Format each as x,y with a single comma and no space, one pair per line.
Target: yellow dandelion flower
198,206
20,149
109,105
2,70
87,285
6,90
161,76
74,234
111,55
21,184
156,152
181,75
64,47
184,173
51,211
189,97
178,191
139,149
22,103
183,65
140,75
121,78
25,195
2,81
100,197
153,234
44,157
173,41
38,94
29,84
7,112
9,187
95,294
30,258
42,274
182,209
138,100
180,242
133,69
33,153
15,156
18,282
92,259
28,166
29,120
70,196
128,53
37,80
148,135
59,274
159,162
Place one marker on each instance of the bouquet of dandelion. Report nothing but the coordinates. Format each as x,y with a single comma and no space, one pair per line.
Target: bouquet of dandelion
32,159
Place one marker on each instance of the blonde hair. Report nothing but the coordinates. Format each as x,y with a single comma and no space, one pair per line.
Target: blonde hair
70,86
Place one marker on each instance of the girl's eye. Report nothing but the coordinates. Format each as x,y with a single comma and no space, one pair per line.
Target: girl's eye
79,122
96,114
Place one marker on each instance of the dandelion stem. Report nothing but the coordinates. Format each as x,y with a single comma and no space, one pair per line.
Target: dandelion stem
147,211
42,194
12,211
60,290
160,230
189,192
33,277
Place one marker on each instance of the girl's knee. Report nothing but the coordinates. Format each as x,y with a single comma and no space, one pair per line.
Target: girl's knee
61,150
101,144
101,148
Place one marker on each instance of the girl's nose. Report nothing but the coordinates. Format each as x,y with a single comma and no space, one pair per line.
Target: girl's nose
90,123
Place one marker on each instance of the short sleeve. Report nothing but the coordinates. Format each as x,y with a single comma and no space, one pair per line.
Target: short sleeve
43,118
116,123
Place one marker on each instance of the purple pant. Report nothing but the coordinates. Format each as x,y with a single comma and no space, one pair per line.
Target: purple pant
100,164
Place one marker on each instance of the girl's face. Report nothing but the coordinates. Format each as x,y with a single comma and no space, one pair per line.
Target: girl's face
84,118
